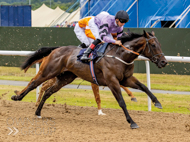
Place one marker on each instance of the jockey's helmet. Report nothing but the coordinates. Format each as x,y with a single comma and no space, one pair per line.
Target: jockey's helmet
122,16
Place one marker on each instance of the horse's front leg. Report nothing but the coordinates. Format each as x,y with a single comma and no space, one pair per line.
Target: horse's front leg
114,86
134,83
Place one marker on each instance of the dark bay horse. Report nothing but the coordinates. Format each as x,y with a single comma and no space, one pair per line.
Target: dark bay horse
52,81
112,72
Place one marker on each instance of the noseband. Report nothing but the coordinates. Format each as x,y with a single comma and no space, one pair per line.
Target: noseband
155,57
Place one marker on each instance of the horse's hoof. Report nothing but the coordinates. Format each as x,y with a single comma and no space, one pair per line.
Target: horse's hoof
134,99
14,98
134,126
158,105
39,116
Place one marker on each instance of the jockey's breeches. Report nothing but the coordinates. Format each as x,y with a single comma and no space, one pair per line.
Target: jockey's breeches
88,33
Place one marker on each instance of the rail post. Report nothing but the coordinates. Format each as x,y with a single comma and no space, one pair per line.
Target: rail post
37,89
148,82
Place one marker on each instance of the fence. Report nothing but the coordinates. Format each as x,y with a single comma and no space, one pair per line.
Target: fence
174,42
168,58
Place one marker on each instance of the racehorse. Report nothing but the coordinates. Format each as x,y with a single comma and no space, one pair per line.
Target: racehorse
95,89
115,69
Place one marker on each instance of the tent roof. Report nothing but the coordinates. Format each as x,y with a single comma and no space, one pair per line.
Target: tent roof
74,16
46,17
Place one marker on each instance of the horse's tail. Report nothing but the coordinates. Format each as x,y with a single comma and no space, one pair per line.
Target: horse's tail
37,57
37,61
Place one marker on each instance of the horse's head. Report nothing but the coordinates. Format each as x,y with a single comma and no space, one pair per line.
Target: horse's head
153,51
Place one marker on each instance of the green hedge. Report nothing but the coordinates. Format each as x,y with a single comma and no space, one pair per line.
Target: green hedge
174,42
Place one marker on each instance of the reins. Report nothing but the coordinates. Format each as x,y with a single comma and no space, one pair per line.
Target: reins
153,59
117,57
130,50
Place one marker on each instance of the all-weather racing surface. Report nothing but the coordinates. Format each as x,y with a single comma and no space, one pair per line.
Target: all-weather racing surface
82,124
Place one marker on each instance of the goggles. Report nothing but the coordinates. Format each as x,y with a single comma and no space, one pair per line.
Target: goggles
123,20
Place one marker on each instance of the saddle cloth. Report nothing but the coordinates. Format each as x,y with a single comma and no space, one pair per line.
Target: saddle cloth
97,52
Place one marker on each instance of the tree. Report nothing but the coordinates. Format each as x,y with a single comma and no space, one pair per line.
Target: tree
63,4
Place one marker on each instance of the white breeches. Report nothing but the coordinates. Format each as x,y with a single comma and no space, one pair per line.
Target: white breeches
94,28
80,33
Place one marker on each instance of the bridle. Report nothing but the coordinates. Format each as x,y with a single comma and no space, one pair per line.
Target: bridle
155,57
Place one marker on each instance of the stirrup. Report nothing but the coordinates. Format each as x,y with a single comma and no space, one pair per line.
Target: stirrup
85,58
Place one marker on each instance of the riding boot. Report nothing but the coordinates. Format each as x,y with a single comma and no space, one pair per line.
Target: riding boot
86,53
83,45
89,50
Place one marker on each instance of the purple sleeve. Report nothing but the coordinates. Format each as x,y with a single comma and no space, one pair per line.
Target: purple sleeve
120,32
103,31
109,40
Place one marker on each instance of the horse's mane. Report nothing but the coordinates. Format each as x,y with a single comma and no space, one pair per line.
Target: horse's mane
130,36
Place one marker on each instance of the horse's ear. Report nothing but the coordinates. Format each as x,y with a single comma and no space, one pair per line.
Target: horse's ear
153,33
145,34
128,30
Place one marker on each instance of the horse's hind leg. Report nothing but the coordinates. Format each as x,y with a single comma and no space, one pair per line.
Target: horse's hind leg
62,80
134,83
133,98
36,81
95,89
44,87
20,92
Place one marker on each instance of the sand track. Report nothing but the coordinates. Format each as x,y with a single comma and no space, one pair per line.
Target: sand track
82,124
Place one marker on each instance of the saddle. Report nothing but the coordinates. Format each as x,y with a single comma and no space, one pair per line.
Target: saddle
98,51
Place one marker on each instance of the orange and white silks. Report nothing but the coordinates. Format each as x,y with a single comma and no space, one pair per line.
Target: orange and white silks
83,23
86,30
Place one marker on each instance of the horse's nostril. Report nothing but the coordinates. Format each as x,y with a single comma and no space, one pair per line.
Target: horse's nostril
163,63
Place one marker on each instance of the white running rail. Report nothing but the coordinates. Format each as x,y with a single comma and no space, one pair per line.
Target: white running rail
140,58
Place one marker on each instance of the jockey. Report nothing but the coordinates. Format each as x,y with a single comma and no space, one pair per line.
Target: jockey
99,28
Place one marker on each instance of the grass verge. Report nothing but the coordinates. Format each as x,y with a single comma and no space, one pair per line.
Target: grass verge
158,81
79,97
